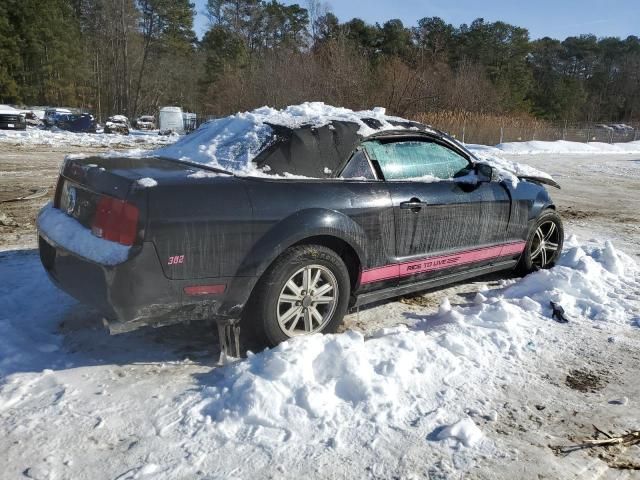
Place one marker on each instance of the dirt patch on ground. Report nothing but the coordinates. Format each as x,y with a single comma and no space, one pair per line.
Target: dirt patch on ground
585,381
573,213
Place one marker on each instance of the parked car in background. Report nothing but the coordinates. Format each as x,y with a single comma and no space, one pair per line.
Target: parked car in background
38,111
146,122
50,115
622,127
32,118
12,119
117,124
171,120
76,122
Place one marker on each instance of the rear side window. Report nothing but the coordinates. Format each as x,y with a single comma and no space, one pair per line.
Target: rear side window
358,167
414,159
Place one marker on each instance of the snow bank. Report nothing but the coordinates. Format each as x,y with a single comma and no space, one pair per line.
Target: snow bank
558,147
407,400
61,138
329,382
74,237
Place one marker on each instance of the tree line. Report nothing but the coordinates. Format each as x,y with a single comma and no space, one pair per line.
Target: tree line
133,56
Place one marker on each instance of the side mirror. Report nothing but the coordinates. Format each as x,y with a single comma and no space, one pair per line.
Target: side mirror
484,172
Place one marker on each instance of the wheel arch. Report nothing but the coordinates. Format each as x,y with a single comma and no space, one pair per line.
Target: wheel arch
328,227
342,248
541,203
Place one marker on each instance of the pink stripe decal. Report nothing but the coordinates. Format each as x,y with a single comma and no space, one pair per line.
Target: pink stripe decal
439,262
380,273
512,249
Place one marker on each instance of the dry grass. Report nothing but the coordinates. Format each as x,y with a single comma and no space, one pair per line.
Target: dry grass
489,129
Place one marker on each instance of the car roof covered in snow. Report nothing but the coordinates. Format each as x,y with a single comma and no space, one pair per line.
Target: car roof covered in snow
310,140
118,119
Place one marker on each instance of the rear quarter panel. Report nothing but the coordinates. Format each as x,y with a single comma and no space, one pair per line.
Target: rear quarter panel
201,228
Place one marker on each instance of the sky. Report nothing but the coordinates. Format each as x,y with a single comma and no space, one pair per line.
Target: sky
552,18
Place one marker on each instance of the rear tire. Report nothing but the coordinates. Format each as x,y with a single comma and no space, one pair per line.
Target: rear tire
544,244
306,290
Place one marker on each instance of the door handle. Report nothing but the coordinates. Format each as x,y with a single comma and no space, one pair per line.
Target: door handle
415,205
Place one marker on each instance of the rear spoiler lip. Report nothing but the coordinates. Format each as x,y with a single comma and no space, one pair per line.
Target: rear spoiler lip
547,181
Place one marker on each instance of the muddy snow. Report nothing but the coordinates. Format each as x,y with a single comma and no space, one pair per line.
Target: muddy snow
473,381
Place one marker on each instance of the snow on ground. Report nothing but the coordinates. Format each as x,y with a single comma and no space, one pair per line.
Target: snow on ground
61,138
561,147
402,401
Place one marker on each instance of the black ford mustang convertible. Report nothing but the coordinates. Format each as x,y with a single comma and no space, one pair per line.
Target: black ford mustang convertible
335,219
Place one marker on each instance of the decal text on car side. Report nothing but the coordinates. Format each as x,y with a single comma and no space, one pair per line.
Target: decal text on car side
176,260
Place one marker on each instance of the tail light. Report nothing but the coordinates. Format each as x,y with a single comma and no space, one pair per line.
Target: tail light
115,220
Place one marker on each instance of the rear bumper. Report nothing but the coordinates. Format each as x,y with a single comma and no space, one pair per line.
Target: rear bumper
136,292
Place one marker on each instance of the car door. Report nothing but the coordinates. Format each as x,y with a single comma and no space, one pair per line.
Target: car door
447,217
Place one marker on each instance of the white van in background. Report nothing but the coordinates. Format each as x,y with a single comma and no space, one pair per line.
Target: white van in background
171,120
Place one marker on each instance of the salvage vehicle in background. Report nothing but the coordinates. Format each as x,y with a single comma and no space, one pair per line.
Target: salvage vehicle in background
12,119
32,118
146,122
333,218
51,113
117,124
75,122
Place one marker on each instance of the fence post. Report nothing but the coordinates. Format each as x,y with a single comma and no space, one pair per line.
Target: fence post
564,131
464,127
611,136
534,133
501,134
588,133
635,134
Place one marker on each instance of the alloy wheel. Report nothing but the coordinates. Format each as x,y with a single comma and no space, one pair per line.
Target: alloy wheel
544,244
307,301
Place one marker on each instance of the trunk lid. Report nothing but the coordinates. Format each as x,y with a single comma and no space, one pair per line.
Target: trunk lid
86,183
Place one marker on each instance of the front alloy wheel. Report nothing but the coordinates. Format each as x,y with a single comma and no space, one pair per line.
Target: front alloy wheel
307,301
545,244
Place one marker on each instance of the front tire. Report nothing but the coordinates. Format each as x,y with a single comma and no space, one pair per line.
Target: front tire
544,244
306,290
